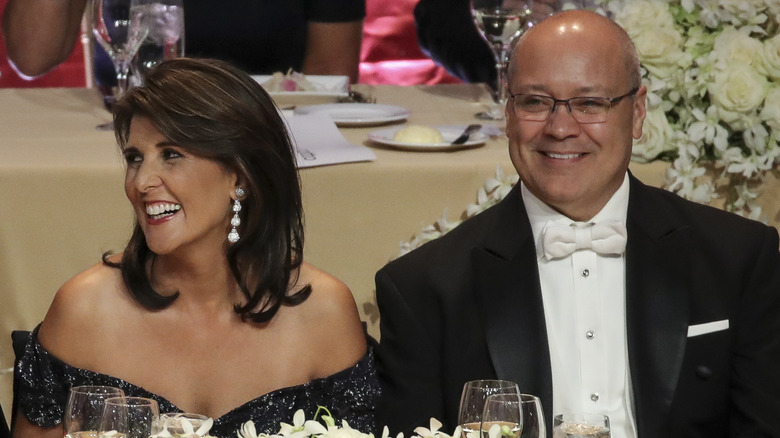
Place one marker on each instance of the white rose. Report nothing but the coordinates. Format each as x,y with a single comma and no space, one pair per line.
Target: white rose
657,136
660,51
642,16
736,90
769,58
771,111
736,46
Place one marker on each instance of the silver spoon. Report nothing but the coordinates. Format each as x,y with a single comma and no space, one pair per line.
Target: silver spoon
471,129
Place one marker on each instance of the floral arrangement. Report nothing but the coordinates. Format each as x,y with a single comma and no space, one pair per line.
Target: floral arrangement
188,430
302,428
712,69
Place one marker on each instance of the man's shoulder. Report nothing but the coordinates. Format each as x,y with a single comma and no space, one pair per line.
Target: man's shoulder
472,233
666,207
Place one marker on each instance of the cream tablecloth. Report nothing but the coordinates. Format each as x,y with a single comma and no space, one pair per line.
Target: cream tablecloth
62,202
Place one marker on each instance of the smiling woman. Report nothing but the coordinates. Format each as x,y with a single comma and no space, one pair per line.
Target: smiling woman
212,278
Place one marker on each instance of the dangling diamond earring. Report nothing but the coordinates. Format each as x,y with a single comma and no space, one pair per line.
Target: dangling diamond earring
235,221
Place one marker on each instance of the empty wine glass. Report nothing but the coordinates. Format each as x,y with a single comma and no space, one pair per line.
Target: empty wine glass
533,418
576,425
129,417
120,35
472,402
502,416
84,409
499,23
164,21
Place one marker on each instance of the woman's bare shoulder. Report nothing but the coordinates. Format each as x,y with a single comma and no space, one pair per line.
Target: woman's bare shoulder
332,324
87,301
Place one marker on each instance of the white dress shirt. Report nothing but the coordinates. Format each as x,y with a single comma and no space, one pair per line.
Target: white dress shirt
584,310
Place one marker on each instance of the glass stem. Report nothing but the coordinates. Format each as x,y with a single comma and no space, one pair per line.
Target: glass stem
122,71
501,54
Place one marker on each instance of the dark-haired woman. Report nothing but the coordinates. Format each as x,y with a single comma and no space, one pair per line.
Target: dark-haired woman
210,308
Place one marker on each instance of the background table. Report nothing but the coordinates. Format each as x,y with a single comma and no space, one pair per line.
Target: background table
62,201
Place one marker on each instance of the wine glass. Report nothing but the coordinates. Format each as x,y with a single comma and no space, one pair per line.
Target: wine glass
130,417
184,423
502,416
119,33
533,418
84,409
472,402
500,22
577,425
164,22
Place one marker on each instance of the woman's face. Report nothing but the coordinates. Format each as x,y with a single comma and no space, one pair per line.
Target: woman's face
182,201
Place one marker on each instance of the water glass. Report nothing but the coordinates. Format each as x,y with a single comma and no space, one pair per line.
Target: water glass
577,425
84,409
472,402
164,20
533,417
182,423
502,416
130,417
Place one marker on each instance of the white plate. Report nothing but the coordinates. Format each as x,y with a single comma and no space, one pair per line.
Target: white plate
357,114
329,89
448,133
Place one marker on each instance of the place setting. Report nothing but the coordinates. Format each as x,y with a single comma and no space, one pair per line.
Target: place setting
422,138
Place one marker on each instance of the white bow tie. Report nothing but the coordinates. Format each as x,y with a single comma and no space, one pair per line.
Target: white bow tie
558,240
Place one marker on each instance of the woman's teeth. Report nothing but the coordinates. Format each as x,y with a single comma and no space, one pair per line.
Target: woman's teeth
160,210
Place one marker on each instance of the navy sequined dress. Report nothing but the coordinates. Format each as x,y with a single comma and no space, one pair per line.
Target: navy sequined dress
42,383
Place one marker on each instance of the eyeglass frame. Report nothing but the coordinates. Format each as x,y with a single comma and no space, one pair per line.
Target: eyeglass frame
612,101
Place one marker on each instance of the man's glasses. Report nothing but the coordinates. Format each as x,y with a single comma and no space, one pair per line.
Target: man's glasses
538,108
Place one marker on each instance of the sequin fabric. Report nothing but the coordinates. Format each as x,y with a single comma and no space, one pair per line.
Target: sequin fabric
42,382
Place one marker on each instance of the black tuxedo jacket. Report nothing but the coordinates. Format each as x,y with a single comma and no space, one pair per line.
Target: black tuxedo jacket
468,306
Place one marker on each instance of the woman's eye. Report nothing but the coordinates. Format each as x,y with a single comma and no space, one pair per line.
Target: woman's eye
170,154
133,158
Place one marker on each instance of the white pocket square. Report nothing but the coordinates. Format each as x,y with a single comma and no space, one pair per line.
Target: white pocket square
707,327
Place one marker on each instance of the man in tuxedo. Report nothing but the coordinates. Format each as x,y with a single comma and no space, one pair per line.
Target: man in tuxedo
586,287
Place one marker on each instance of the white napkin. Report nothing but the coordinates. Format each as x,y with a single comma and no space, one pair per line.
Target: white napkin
318,142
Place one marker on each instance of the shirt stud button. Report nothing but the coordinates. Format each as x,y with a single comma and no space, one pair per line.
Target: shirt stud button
585,273
590,334
594,397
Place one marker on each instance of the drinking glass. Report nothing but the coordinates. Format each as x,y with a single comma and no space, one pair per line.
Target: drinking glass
500,22
502,411
121,35
130,417
533,418
472,402
177,423
84,409
164,21
576,425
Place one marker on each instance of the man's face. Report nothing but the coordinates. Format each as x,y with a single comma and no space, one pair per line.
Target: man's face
573,167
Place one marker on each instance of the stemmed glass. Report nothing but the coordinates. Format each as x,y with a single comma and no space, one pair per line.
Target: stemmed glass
84,409
533,418
164,21
472,402
500,22
574,425
129,417
502,416
119,33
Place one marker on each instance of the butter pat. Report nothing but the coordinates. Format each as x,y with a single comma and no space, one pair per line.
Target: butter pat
418,134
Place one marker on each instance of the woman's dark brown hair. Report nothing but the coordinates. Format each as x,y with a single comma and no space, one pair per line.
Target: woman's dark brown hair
214,110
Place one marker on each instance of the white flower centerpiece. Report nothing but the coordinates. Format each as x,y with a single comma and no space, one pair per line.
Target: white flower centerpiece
303,428
712,70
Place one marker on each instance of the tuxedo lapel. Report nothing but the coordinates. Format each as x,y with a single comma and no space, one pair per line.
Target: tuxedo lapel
510,302
657,264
